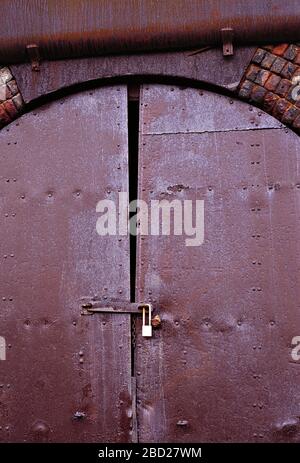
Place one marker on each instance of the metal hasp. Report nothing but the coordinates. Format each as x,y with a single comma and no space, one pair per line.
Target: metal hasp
90,308
64,28
122,307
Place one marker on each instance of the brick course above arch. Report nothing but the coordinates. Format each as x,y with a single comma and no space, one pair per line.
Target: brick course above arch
11,102
272,82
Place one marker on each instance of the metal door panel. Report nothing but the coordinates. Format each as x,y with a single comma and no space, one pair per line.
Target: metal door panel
220,367
66,376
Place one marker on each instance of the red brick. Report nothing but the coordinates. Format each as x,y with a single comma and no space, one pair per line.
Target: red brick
258,94
290,115
4,117
12,85
258,56
5,93
283,87
269,101
10,109
278,65
252,72
5,75
280,49
296,123
280,107
268,60
246,89
268,47
297,59
291,52
296,73
272,82
262,77
288,70
18,101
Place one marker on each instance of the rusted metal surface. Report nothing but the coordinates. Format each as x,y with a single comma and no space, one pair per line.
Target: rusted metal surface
220,367
56,164
68,28
207,66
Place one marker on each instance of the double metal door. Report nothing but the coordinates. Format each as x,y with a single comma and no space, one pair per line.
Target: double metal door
219,366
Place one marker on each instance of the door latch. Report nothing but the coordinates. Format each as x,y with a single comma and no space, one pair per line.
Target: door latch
134,308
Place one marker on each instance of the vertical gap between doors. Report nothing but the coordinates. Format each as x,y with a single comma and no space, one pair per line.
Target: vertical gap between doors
133,150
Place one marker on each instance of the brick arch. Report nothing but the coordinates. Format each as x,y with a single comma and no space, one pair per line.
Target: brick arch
272,82
11,101
268,82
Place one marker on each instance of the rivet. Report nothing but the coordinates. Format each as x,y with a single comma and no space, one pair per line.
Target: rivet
81,353
81,360
79,415
182,423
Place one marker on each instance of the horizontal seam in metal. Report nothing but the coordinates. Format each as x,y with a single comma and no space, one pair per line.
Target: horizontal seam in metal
213,131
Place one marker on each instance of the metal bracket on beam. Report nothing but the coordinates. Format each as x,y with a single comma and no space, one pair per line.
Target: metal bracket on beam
227,41
34,56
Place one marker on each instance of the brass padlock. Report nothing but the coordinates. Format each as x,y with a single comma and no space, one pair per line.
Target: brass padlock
147,327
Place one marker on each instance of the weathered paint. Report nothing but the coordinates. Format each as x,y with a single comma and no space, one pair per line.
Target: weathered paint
73,28
56,164
200,66
220,367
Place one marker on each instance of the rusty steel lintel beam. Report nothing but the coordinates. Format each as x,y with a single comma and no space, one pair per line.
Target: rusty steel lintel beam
75,28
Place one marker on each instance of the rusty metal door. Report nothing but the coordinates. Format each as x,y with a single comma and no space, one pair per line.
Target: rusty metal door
56,383
220,367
